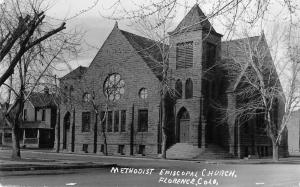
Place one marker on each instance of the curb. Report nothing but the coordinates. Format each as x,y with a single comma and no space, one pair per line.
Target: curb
54,167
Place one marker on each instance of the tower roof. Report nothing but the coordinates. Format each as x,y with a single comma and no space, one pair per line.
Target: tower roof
194,20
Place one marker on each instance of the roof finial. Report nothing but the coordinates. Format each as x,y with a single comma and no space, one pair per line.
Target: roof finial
196,3
116,25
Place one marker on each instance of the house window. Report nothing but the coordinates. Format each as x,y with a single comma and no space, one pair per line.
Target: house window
25,114
116,121
121,149
266,151
188,88
31,133
143,93
102,148
43,115
246,127
178,89
109,121
7,135
87,97
103,124
114,87
35,114
85,148
123,120
184,55
86,120
260,122
143,121
142,149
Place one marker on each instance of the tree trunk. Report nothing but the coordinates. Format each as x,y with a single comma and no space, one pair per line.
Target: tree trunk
105,144
57,132
17,114
104,137
16,154
95,132
275,152
164,134
73,132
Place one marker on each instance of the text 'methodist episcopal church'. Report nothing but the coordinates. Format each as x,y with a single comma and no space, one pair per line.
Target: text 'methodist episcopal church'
127,65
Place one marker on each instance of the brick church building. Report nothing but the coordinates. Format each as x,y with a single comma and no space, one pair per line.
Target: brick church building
124,79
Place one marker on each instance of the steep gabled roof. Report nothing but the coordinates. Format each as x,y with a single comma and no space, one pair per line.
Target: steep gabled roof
230,45
194,20
237,50
75,74
148,49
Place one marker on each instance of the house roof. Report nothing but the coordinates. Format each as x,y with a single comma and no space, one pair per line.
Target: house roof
41,100
194,20
75,74
148,49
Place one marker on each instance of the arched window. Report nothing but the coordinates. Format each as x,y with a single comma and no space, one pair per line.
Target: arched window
188,88
87,97
178,89
143,93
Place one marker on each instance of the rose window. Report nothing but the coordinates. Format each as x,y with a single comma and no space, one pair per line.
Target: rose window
114,87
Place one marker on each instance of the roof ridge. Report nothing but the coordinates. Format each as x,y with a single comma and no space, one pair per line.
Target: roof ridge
140,36
79,68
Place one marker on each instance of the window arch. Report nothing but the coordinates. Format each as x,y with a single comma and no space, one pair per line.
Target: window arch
178,89
87,97
143,93
188,88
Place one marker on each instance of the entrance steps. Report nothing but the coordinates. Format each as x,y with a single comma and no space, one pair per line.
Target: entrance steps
188,151
214,151
183,151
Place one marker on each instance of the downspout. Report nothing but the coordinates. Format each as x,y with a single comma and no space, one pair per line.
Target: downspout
73,132
200,124
95,132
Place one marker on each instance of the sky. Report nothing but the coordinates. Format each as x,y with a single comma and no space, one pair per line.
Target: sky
97,27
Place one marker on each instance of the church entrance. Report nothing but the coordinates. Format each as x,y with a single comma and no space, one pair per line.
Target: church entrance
66,127
184,130
183,126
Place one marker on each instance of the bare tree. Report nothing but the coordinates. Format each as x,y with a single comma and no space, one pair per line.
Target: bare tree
33,68
89,96
23,26
228,13
257,86
155,26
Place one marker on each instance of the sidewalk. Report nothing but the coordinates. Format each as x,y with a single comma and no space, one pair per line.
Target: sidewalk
38,163
30,164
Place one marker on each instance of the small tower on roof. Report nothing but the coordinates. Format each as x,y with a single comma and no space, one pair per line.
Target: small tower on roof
193,21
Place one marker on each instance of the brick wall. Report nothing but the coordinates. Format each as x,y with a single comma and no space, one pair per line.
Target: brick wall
117,56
